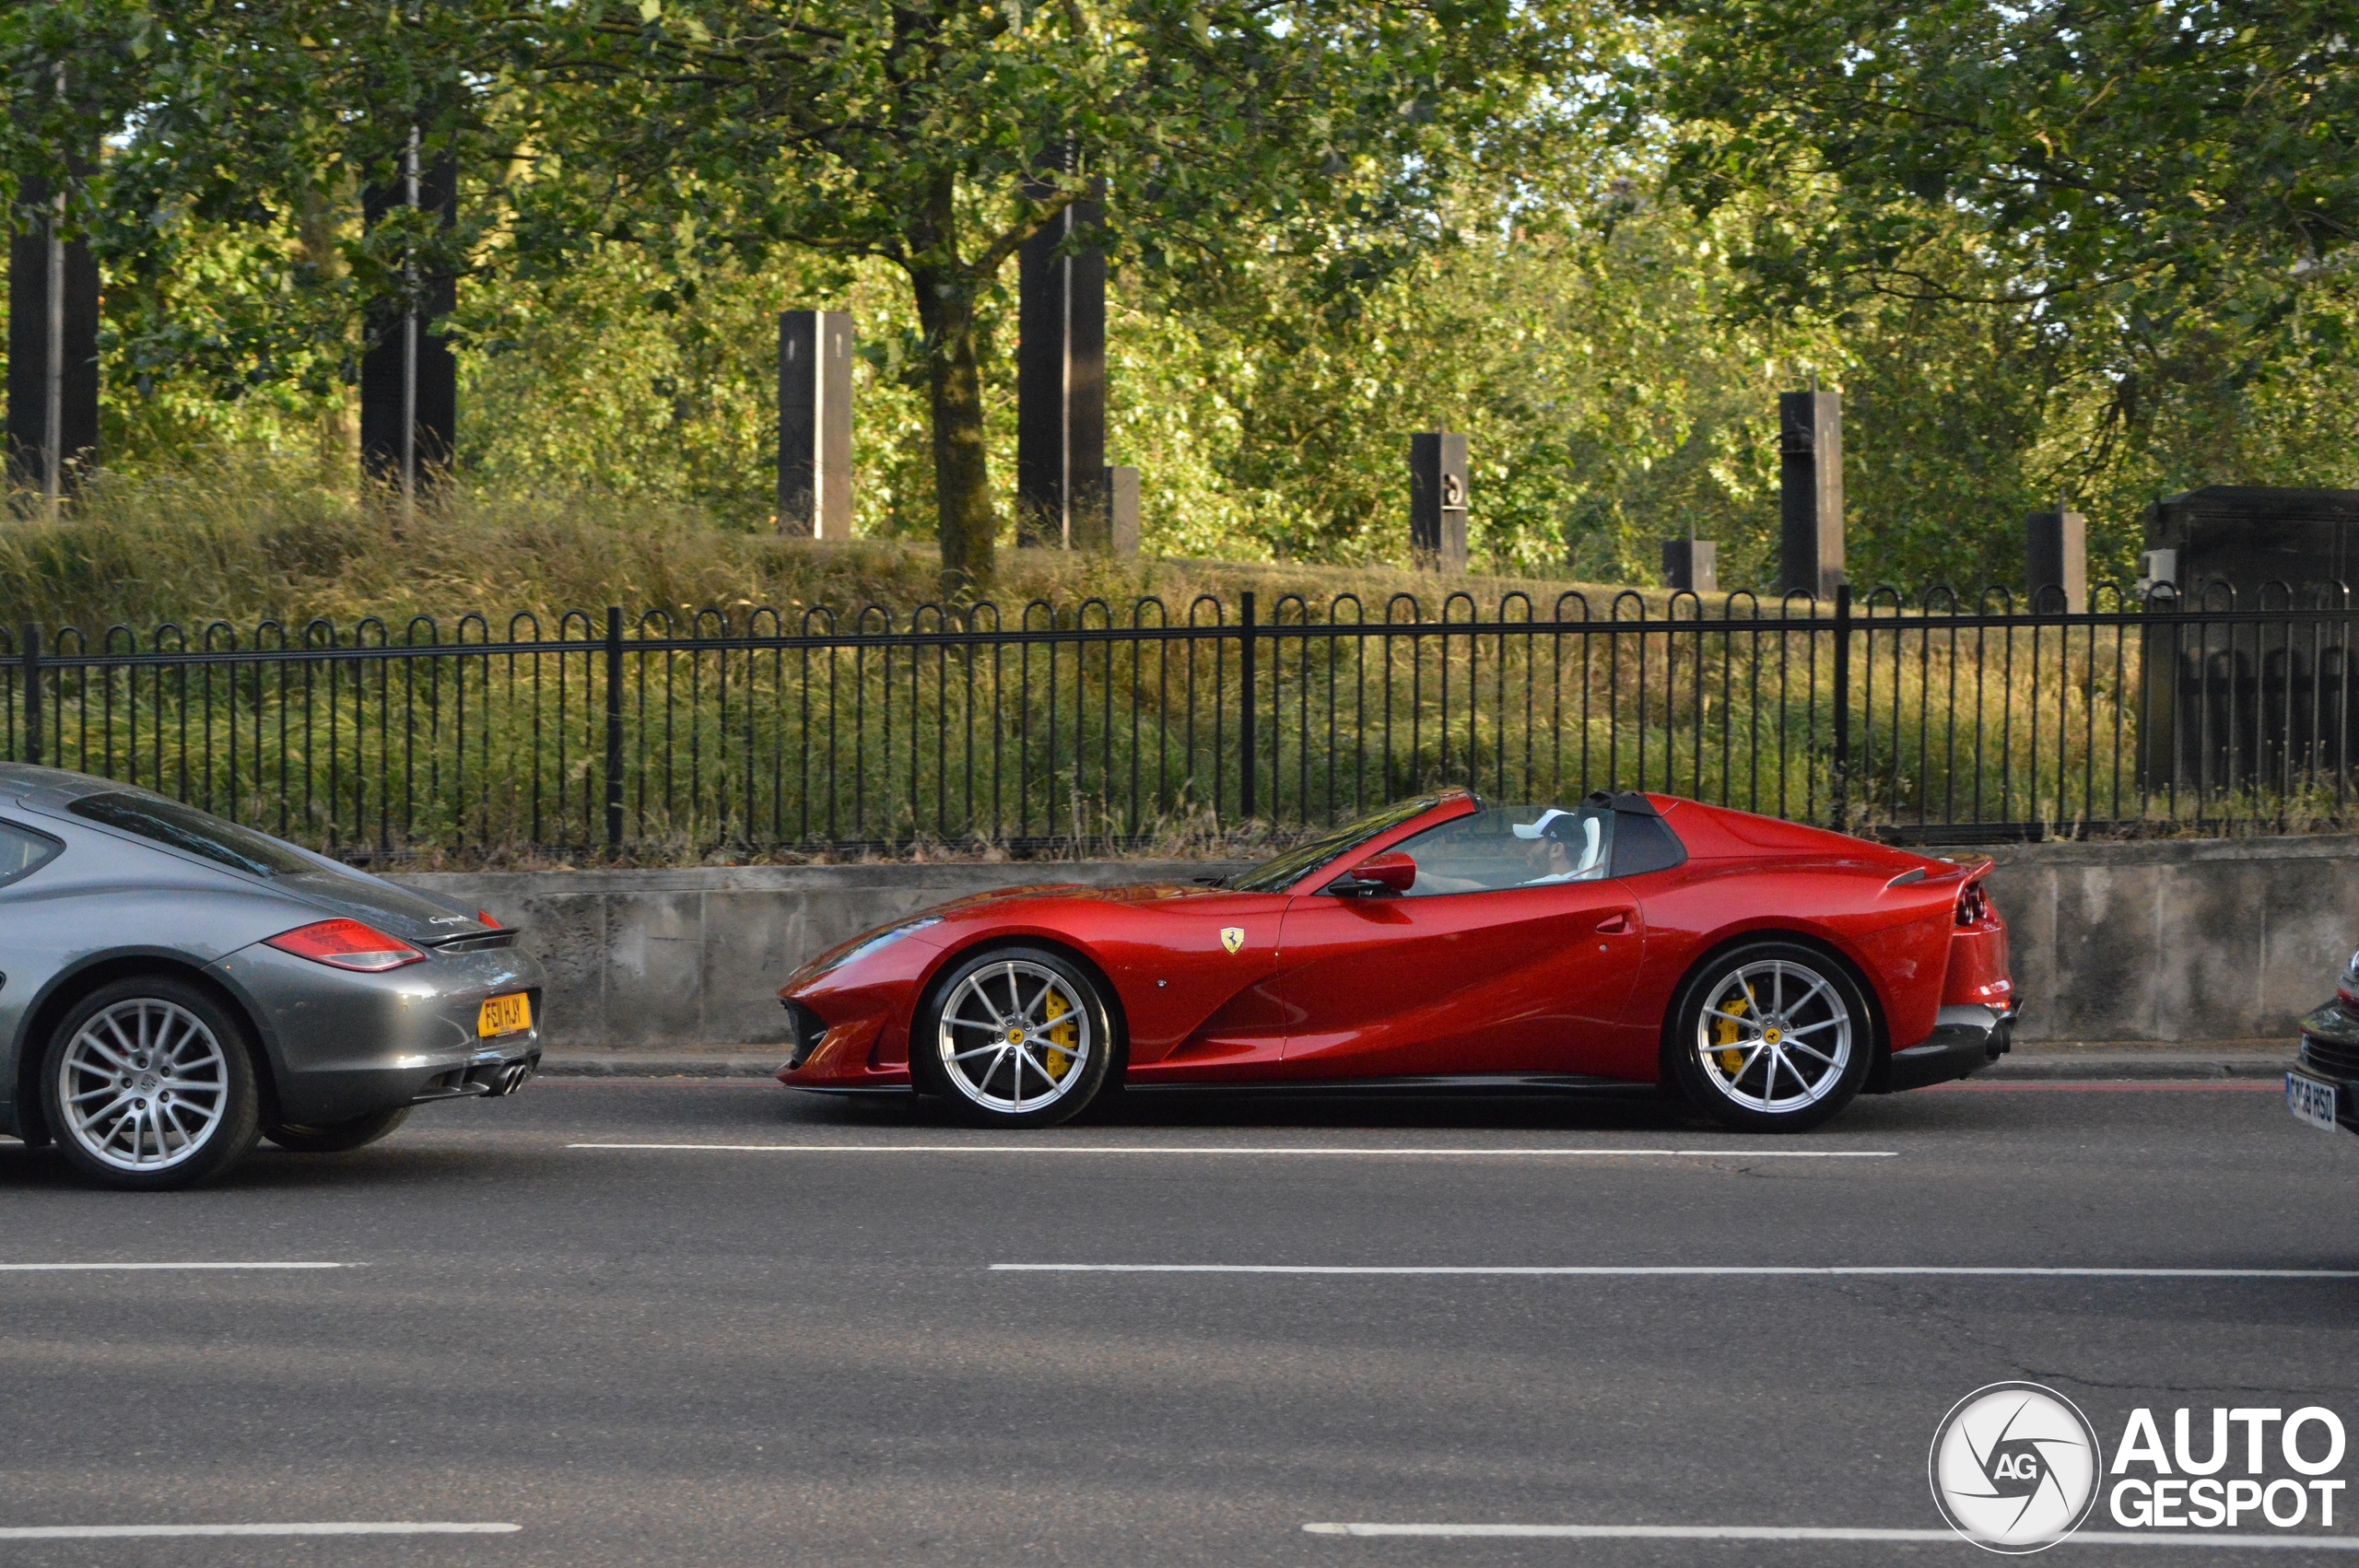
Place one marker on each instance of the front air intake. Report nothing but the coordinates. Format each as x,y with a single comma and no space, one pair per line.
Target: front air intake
805,1030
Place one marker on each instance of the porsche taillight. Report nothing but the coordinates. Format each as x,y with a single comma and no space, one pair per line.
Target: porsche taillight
346,944
1972,905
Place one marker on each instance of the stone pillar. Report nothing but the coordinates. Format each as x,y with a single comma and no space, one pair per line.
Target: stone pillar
409,381
1122,509
1438,500
1061,384
814,424
2056,552
52,354
1810,492
1691,564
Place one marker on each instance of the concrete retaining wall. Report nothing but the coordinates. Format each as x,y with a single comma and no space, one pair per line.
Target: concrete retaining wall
641,959
2177,941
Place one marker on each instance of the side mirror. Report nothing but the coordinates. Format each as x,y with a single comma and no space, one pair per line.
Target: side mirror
1379,876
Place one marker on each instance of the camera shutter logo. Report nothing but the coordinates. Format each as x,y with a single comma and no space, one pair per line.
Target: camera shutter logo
2015,1467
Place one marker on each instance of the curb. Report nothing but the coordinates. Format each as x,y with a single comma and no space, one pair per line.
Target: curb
2094,1067
2035,1064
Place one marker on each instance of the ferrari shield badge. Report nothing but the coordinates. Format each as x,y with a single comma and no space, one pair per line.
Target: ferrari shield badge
1232,937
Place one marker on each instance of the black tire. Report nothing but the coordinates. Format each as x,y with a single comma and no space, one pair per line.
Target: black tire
334,1137
181,1067
1790,1074
1046,1003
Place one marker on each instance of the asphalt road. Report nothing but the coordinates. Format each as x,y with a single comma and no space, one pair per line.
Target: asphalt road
804,1355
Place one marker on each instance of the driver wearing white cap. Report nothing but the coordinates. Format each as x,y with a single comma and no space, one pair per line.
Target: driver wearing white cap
1572,841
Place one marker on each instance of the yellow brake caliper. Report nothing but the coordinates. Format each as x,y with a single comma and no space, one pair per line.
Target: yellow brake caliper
1724,1034
1062,1038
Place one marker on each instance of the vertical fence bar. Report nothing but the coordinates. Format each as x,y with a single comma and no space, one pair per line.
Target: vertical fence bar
1838,784
613,730
1246,735
31,653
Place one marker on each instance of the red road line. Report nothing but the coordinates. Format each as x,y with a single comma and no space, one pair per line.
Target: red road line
2117,1086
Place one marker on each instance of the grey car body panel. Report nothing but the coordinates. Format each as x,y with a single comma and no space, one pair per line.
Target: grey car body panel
335,1043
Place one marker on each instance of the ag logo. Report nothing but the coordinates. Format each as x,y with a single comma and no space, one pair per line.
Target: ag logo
2015,1466
1232,937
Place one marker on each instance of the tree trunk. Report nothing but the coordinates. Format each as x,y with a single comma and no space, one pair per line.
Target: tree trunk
962,485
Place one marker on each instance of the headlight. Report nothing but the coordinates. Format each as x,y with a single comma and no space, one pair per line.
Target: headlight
2347,989
877,943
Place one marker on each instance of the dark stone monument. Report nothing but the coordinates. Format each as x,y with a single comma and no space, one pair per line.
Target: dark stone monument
814,424
1438,500
1691,566
409,381
1122,509
1810,493
2244,539
2253,704
53,355
1061,384
2056,561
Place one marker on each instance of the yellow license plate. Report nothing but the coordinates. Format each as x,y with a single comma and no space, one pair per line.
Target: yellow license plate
509,1014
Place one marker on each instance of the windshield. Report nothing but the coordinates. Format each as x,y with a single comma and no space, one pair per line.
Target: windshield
1274,876
198,833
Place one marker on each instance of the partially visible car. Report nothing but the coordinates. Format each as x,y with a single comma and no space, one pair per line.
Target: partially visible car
2324,1090
1765,970
174,986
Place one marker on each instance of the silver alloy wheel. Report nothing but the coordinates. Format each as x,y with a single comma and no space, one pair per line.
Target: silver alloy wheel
145,1084
1014,1036
1775,1036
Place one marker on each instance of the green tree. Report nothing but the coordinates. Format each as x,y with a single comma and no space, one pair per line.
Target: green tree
915,133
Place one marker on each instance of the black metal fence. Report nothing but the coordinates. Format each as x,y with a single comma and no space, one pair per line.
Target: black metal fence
1060,728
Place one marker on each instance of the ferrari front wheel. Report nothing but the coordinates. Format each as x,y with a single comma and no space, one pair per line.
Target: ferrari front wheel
1017,1036
1771,1036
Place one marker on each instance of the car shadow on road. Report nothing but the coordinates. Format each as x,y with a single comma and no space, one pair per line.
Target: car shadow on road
1639,1108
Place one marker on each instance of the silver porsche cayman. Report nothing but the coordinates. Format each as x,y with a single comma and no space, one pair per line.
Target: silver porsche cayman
173,987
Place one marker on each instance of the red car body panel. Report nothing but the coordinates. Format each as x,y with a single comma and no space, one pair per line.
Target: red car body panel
1572,979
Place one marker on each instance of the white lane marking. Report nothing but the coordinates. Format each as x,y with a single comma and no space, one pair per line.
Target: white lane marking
1612,1272
147,1268
1204,1149
122,1532
1806,1532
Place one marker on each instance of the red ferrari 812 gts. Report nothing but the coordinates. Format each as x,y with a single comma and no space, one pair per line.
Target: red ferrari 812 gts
1765,970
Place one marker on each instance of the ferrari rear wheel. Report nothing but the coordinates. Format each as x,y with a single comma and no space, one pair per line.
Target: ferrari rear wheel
1771,1037
1017,1036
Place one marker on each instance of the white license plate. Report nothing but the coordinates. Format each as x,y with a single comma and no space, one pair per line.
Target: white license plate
2310,1100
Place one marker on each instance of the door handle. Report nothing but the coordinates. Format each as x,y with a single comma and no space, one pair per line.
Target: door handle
1615,923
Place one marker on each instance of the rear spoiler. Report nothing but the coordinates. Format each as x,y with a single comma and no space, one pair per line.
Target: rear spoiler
1966,869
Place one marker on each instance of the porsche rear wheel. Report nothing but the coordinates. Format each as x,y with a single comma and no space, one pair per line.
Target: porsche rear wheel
147,1084
1771,1036
1017,1036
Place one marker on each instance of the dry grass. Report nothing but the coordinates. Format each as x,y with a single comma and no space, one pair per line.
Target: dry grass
242,541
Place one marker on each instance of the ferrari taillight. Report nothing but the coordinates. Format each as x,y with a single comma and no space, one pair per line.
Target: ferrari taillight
1972,905
346,944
